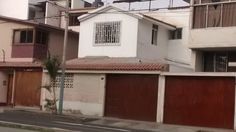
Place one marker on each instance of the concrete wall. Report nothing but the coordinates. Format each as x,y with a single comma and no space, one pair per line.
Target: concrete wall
3,87
212,37
52,11
75,4
86,97
145,49
128,39
14,8
6,35
55,43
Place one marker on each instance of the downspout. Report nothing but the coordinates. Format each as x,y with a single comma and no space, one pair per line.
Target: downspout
3,53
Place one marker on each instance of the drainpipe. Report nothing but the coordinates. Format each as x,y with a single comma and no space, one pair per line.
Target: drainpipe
3,53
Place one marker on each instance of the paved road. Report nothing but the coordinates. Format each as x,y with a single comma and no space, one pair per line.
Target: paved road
54,121
6,129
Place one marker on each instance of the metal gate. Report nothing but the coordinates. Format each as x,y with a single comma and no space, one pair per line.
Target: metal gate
200,101
131,97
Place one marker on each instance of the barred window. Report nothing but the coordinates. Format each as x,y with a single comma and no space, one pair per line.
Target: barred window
107,33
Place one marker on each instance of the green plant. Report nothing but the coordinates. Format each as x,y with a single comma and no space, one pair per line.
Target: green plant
52,64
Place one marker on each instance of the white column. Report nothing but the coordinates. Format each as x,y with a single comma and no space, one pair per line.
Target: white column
161,97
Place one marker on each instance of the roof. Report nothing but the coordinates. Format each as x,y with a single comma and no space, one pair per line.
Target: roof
135,15
33,23
115,64
20,65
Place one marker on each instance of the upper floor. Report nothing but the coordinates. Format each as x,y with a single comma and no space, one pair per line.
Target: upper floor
26,41
109,31
213,24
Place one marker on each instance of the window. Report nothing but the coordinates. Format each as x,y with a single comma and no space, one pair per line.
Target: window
107,33
41,37
216,15
176,34
215,62
154,34
74,19
23,36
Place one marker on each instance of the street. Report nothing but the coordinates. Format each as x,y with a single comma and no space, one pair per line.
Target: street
55,122
6,129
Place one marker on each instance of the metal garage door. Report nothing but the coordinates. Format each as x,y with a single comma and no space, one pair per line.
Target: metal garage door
200,101
131,97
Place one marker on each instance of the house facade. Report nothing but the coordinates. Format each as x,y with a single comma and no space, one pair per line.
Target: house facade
24,47
119,53
212,35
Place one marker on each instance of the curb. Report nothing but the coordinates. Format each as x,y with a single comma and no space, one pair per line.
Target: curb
31,127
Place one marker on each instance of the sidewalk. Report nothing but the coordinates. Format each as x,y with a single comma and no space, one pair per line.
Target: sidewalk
70,119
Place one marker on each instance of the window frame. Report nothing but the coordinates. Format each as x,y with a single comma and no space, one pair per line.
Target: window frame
173,34
154,39
107,44
21,30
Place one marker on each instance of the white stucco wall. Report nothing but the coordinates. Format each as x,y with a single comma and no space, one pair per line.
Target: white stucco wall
3,88
179,55
14,8
128,40
145,49
212,37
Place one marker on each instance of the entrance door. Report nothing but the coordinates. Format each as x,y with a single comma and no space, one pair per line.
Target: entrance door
28,88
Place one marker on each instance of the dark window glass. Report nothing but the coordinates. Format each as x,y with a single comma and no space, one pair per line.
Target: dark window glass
41,37
26,36
215,61
154,34
176,34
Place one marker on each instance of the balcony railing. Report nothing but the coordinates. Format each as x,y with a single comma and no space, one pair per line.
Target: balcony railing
215,15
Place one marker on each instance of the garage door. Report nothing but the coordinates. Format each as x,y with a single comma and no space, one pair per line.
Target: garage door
200,101
131,97
28,88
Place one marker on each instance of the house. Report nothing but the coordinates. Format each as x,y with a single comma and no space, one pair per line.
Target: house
121,55
24,46
212,35
42,11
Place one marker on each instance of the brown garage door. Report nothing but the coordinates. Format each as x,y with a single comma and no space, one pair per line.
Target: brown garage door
200,101
27,88
132,97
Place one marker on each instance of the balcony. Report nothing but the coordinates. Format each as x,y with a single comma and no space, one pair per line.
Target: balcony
214,25
29,44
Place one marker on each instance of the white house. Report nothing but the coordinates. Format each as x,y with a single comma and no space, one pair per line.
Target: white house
125,46
109,31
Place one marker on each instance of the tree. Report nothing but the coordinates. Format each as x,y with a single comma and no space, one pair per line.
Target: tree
52,64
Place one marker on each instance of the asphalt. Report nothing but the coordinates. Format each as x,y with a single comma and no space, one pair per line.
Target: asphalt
46,122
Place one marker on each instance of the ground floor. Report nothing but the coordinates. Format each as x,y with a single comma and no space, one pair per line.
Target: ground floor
20,87
199,99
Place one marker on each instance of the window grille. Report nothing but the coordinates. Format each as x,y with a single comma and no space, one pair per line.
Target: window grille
107,33
69,79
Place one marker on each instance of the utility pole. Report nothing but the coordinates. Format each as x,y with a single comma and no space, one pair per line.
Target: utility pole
63,66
